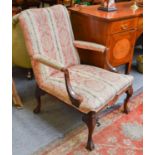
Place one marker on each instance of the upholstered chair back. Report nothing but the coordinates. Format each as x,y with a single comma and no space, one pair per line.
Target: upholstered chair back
48,32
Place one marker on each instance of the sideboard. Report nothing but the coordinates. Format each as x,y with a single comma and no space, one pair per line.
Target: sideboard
117,30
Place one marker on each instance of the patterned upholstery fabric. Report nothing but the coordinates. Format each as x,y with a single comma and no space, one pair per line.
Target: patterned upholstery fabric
48,61
97,86
89,46
48,33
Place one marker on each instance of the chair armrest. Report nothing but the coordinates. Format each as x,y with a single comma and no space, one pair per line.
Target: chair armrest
96,47
48,61
89,46
75,98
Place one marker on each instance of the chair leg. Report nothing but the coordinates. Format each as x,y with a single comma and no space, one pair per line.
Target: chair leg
90,119
128,68
38,94
29,74
129,93
43,4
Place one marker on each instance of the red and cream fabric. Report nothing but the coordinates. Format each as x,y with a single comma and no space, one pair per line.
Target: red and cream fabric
48,61
48,33
95,85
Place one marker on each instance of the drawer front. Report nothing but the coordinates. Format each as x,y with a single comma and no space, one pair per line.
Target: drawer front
123,25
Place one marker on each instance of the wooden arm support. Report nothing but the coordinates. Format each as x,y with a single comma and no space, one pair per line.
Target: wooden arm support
75,98
95,47
110,67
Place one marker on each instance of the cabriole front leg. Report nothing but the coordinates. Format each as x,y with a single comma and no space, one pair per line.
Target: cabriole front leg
129,93
90,119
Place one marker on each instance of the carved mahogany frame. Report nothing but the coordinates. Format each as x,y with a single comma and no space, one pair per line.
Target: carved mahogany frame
75,98
90,118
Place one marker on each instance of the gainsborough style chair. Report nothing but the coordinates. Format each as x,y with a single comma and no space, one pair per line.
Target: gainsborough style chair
57,69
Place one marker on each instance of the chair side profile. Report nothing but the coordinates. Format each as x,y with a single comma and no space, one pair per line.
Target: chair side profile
56,64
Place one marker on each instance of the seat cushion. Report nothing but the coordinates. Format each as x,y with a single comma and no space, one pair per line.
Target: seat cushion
97,86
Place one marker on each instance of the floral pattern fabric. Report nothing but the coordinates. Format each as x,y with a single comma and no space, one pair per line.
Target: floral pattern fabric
47,31
97,86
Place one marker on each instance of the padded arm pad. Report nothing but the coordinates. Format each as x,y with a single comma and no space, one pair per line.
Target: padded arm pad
48,61
89,46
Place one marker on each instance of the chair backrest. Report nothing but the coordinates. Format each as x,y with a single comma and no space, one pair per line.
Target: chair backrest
48,31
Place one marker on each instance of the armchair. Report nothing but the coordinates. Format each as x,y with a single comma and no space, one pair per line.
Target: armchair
57,69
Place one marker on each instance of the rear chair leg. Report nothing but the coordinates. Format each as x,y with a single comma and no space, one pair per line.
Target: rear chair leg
129,93
29,74
38,94
90,119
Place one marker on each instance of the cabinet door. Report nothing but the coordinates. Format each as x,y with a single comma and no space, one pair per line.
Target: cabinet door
121,47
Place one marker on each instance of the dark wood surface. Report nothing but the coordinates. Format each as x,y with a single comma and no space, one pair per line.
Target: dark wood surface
122,0
75,98
50,2
16,10
124,11
116,30
25,4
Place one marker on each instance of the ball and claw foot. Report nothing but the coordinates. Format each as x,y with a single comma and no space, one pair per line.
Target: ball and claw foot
126,110
90,146
129,94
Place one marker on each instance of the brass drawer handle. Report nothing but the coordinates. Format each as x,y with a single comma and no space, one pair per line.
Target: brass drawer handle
124,27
